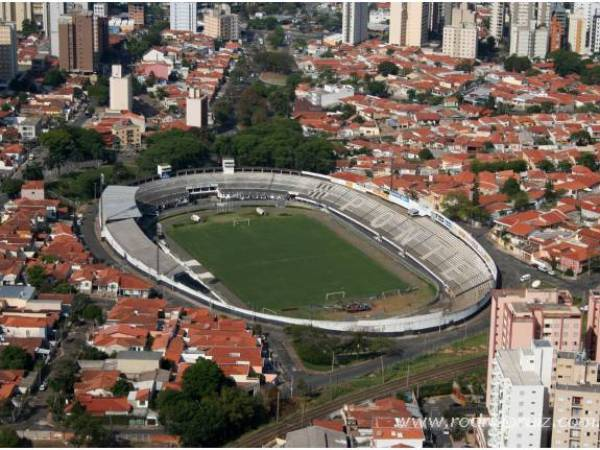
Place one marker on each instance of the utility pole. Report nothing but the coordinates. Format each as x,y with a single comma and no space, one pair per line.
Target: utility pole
331,373
382,370
277,416
407,373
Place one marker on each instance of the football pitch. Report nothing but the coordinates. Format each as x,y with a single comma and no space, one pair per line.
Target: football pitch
283,261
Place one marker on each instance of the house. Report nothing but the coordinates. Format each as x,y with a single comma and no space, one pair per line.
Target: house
33,190
27,326
132,364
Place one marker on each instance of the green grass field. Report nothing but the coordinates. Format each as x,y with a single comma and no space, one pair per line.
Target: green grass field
282,262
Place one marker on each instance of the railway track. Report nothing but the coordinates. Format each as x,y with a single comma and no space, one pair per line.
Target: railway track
302,419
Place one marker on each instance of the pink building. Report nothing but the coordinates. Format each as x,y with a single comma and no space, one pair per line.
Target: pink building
592,340
519,316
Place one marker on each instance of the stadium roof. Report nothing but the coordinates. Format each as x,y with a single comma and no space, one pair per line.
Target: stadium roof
118,203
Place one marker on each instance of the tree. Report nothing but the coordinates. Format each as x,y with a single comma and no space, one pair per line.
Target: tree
99,91
36,276
93,313
546,165
464,66
377,89
62,377
88,431
511,187
204,378
521,200
15,358
180,149
516,63
581,138
55,77
425,155
92,353
549,192
33,171
386,68
588,159
29,27
566,62
277,37
12,187
9,438
565,165
122,387
69,143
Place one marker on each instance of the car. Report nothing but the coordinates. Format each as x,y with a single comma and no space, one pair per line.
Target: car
413,212
525,277
43,386
542,268
551,272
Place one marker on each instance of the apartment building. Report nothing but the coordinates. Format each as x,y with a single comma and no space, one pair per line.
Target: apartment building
409,23
83,38
520,316
576,416
355,17
16,12
8,53
592,334
183,16
520,380
460,38
219,23
137,13
196,109
120,90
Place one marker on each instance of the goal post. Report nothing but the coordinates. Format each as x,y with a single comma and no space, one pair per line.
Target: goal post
335,295
237,222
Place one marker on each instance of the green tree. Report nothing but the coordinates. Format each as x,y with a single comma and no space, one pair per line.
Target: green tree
277,37
93,313
92,353
386,68
180,149
29,27
516,63
377,88
588,159
549,192
15,358
36,276
122,387
464,66
565,165
425,154
546,165
521,200
88,431
204,378
12,187
62,376
566,62
581,138
511,187
55,77
9,438
33,171
99,91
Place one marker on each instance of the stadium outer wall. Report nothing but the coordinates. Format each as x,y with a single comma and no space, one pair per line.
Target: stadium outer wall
390,326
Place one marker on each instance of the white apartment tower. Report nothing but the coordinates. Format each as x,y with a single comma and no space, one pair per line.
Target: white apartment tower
183,16
529,35
196,109
519,396
53,12
577,37
497,20
409,23
460,38
8,52
219,23
101,9
120,90
355,17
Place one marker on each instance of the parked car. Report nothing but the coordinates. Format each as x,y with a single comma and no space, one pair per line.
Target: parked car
525,277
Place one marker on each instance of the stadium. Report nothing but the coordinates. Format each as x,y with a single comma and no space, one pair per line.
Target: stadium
283,247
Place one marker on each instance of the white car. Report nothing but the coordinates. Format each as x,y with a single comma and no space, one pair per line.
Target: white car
525,277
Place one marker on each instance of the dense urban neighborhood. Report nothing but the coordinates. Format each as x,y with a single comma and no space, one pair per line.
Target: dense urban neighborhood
298,224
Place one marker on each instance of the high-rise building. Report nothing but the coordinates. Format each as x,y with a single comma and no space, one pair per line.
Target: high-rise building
16,12
595,40
577,37
101,9
355,17
460,38
409,24
219,23
520,380
53,12
8,52
120,90
497,20
196,109
587,11
82,41
137,13
557,34
520,316
576,402
183,16
529,29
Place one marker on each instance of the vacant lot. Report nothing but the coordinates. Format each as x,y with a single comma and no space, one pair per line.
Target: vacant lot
286,261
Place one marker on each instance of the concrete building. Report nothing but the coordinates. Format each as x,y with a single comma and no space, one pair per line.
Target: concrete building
219,23
355,17
497,20
196,109
519,396
8,53
595,39
82,40
460,38
557,34
587,11
129,134
101,9
120,90
576,402
16,12
529,29
520,316
409,24
52,14
183,16
577,37
137,13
